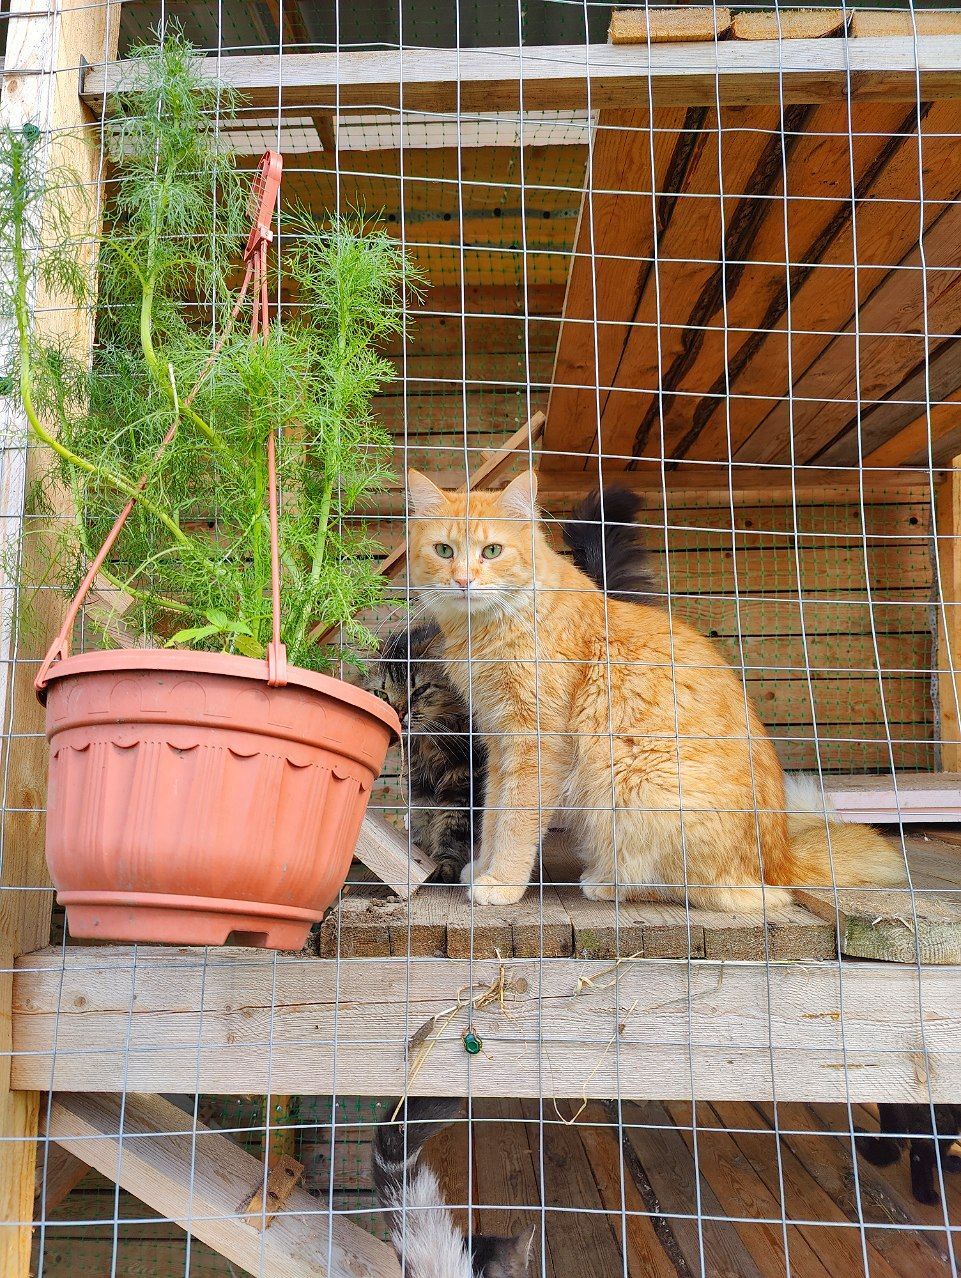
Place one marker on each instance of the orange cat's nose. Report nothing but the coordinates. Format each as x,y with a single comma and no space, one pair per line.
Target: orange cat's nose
463,582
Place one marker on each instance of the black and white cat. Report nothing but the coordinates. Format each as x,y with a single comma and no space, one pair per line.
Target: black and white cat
422,1229
445,758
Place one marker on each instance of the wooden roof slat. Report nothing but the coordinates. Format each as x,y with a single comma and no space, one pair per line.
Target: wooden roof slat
886,340
756,297
554,77
822,294
614,246
659,342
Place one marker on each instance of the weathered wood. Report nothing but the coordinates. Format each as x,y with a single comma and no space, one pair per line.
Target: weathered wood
202,1182
283,1176
554,77
45,44
911,797
357,927
669,26
948,608
483,931
58,1174
236,1022
394,858
789,24
896,926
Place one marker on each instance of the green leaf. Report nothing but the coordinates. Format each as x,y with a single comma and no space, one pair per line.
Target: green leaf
248,646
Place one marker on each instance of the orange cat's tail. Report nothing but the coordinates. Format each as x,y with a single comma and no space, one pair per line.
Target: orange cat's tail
826,851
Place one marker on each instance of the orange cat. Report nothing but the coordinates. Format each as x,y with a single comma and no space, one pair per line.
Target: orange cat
616,718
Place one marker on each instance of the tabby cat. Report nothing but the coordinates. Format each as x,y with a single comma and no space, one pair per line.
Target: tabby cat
620,717
422,1228
913,1123
445,758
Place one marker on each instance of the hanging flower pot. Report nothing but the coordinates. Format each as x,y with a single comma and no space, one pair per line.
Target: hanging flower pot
189,802
205,789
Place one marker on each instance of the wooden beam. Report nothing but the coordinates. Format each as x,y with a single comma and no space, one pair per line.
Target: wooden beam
58,1174
948,590
789,24
555,77
202,1180
909,798
46,44
823,301
910,445
669,26
392,857
234,1021
880,25
609,273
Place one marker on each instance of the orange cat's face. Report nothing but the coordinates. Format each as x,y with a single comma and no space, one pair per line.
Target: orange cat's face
471,552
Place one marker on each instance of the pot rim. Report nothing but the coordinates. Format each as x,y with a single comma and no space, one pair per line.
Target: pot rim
225,664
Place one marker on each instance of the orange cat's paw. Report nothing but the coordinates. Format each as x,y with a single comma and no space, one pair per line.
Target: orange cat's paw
490,891
598,891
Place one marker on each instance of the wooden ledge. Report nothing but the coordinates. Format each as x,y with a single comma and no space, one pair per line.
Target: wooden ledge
234,1022
554,77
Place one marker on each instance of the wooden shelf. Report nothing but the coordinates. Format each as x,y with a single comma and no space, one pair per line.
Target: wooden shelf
555,77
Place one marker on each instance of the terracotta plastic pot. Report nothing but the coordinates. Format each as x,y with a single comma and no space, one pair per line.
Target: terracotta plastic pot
189,802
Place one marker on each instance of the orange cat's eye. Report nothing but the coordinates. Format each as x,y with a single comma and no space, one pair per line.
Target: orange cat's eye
492,551
444,550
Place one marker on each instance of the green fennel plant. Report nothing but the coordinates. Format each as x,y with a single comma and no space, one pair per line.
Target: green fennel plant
195,552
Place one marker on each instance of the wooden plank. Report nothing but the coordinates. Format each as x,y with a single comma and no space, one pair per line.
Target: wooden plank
822,289
662,1166
580,1235
802,1197
687,290
240,1022
483,931
58,1174
635,1230
202,1181
819,1137
948,591
884,343
419,928
789,24
541,925
357,927
793,231
751,1200
614,251
392,856
894,926
911,797
930,439
554,77
45,44
669,26
506,1190
867,24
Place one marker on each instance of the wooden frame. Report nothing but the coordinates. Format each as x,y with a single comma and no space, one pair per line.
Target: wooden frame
758,1031
556,77
45,46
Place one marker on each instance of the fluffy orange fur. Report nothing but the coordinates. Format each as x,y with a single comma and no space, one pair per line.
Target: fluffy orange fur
614,719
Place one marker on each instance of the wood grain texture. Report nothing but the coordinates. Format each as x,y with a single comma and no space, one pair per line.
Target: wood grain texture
554,77
725,1030
789,24
948,591
45,44
669,26
202,1182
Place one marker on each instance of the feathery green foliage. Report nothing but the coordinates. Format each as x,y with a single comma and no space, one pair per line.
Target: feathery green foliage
195,553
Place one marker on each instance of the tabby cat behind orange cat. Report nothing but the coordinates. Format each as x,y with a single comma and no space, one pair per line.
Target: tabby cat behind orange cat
615,719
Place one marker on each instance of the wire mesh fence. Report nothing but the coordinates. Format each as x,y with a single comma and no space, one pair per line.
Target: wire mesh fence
706,286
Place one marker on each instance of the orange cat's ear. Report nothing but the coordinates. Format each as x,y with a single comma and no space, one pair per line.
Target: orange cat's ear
519,498
425,497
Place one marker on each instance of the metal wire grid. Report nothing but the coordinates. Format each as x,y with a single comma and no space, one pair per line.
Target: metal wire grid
462,449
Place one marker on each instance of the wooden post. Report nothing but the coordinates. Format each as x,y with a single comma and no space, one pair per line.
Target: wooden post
46,45
948,527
